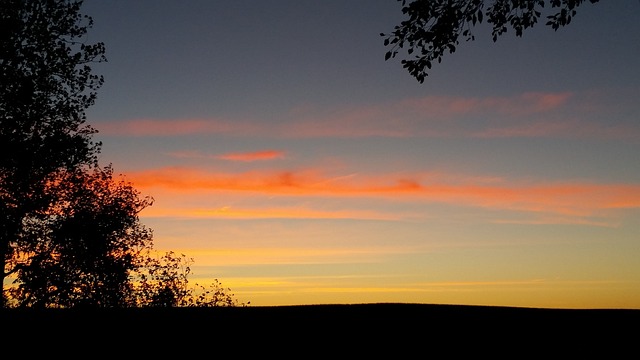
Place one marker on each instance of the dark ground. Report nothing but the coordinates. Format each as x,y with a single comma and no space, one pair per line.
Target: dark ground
396,331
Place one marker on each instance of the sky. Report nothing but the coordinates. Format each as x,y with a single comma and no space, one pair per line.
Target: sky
296,166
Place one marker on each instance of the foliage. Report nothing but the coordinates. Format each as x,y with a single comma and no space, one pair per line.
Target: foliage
434,27
47,84
89,249
163,282
81,250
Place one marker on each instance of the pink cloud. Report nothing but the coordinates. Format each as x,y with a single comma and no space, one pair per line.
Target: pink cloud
242,156
173,127
562,128
440,116
253,156
519,105
535,114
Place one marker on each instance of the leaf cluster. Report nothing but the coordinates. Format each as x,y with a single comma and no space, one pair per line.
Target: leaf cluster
435,27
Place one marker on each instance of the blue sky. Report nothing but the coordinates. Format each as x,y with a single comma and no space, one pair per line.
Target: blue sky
297,166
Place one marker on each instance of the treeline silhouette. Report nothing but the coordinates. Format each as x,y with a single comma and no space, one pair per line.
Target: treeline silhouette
359,331
433,28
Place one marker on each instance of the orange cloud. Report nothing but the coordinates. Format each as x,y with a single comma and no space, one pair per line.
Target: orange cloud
572,199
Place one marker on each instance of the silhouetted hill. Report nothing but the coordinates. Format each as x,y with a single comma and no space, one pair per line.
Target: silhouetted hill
360,330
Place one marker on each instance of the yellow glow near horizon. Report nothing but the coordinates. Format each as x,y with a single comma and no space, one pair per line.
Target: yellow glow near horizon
522,293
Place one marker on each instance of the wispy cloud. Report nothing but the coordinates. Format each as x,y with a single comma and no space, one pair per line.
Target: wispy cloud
566,128
538,114
237,156
431,116
300,255
174,127
517,105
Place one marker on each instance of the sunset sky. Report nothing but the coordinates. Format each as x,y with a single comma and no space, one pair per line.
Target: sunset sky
296,166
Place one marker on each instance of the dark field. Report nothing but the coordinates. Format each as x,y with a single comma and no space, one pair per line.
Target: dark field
397,331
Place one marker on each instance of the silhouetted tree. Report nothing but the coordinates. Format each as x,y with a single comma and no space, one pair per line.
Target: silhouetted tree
85,247
70,235
46,86
434,27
